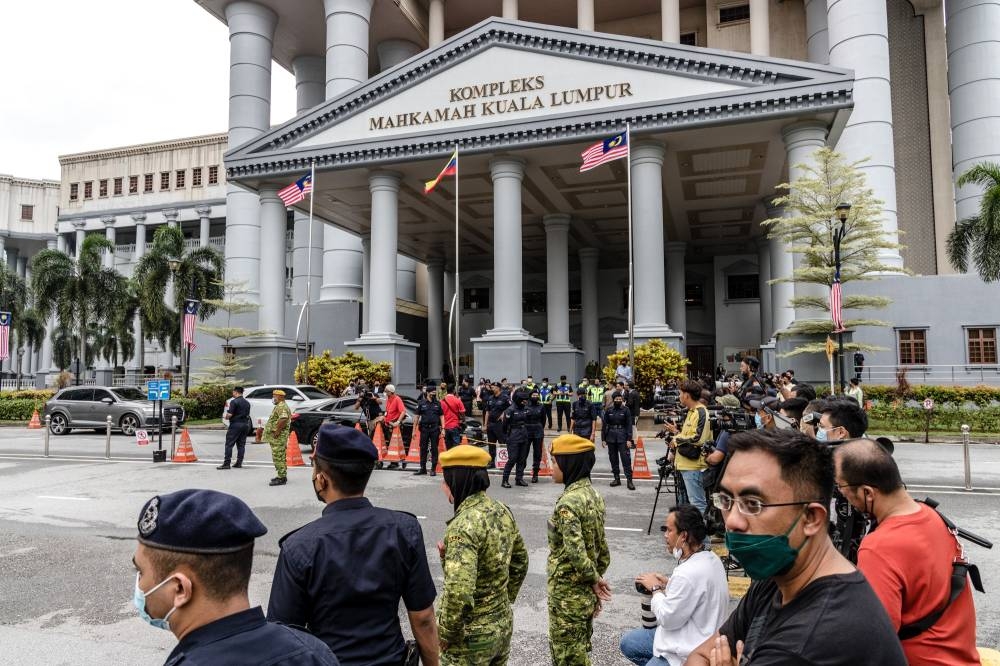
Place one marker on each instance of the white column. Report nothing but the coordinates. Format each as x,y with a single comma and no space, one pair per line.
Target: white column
974,88
509,9
435,308
109,233
347,26
170,215
589,313
647,230
13,254
60,244
435,25
449,290
760,28
205,231
366,280
140,249
384,187
342,277
507,174
391,52
817,45
251,30
22,266
585,14
81,233
676,309
3,249
763,276
858,36
670,20
310,91
782,264
45,361
557,279
310,81
272,260
406,278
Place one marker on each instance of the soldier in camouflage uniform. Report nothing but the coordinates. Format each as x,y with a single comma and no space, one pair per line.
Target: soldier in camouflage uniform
484,561
276,435
578,553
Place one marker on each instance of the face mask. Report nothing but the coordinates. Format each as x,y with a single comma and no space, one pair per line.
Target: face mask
763,555
139,600
318,495
677,553
821,435
618,403
274,401
534,401
757,422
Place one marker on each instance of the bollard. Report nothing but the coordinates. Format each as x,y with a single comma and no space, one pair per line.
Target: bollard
173,435
965,456
47,433
107,439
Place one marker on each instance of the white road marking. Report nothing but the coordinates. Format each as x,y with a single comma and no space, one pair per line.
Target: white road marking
60,497
421,517
624,529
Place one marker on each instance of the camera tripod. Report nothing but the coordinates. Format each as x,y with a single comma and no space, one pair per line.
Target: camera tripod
670,481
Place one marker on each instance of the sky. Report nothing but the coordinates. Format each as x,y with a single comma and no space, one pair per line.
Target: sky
82,75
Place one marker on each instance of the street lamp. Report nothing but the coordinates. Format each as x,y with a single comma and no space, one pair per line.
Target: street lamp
842,210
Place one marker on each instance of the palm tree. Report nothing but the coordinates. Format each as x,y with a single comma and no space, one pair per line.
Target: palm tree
979,235
80,292
198,275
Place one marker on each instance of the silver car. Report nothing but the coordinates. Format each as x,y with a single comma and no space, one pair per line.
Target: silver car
89,407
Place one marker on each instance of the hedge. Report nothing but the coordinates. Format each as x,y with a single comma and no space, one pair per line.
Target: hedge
40,395
17,409
900,417
981,396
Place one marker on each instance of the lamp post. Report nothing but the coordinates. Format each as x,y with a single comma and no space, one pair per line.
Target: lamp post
174,263
842,211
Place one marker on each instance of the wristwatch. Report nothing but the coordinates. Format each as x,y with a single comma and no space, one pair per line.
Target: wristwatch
657,588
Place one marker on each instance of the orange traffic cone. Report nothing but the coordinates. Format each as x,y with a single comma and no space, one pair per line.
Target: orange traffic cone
465,440
546,468
35,423
441,449
640,466
379,441
184,452
258,434
413,452
395,452
293,454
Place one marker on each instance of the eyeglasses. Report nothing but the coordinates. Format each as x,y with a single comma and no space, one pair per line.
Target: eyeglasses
748,506
838,486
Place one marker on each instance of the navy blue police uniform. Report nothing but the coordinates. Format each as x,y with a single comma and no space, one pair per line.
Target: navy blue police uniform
616,433
495,407
516,431
211,522
584,416
536,436
429,414
239,428
342,576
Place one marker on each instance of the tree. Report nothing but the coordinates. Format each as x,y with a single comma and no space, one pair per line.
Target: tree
979,236
227,367
653,360
334,373
198,275
80,292
808,230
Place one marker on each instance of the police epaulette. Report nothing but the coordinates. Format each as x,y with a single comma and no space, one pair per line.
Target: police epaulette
282,539
407,513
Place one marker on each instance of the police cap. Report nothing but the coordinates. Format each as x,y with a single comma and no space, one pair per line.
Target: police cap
337,443
198,521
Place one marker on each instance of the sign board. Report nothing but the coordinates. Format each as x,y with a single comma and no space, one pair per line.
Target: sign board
141,437
158,389
829,349
929,404
501,457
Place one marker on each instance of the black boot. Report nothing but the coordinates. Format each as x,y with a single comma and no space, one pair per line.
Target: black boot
521,482
238,465
224,466
629,484
617,482
420,472
505,483
278,481
534,476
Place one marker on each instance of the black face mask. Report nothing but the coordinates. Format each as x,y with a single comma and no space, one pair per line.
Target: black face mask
534,401
318,495
618,403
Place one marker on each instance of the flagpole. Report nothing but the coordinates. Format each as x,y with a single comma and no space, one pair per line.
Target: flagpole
631,284
309,257
458,288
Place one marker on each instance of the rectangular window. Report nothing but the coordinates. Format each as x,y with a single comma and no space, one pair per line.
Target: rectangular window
102,188
88,190
694,295
118,187
982,345
734,13
196,177
164,180
179,179
27,212
213,175
533,301
912,347
742,287
147,183
689,38
74,191
133,184
476,299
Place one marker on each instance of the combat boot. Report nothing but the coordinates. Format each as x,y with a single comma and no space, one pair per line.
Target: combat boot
629,484
617,482
534,476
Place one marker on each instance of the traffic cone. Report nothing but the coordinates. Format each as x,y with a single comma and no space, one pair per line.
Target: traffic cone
465,440
413,452
546,468
379,441
35,423
441,449
258,434
184,452
640,466
395,452
293,454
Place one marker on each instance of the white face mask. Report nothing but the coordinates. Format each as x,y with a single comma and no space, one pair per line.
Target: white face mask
678,554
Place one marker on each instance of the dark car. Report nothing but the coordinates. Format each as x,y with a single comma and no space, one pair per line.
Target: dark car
306,422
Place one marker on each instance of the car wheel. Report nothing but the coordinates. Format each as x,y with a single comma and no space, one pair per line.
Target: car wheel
129,424
58,425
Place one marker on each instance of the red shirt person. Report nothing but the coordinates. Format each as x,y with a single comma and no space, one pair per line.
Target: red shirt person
453,410
393,406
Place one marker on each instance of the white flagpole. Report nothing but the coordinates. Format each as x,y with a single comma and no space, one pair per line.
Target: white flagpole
631,281
458,288
308,303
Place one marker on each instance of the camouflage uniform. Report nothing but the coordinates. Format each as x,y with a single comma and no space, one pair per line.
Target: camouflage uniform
278,440
485,563
578,558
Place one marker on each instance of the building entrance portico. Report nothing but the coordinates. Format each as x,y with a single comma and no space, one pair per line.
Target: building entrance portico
543,251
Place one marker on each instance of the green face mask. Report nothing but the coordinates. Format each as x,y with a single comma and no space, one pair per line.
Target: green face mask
763,555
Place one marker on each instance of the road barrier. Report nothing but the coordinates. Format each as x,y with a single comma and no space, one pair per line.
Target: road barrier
47,434
173,436
965,456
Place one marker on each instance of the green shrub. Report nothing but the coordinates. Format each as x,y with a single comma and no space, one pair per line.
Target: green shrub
950,419
207,401
653,360
981,396
190,405
17,409
334,373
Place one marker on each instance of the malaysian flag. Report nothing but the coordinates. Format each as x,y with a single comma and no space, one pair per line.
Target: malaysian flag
190,316
605,151
297,191
836,303
4,335
450,169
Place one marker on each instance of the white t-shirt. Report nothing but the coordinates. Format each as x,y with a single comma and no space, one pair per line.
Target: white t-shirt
692,608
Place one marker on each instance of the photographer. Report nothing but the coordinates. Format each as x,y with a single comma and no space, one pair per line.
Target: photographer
690,605
688,443
910,587
842,419
371,408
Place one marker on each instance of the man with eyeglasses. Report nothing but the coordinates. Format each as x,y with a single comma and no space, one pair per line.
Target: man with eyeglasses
842,419
807,604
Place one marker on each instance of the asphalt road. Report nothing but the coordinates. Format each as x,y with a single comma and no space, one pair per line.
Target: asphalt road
67,529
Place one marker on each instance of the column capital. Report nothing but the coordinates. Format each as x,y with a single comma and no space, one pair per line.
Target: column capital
556,222
309,68
648,151
250,17
51,244
268,191
203,211
108,220
589,254
809,131
384,181
79,224
675,247
170,214
507,167
139,218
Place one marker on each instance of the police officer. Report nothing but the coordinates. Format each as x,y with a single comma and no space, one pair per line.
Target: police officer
342,576
595,392
516,431
238,414
536,433
582,423
578,553
193,564
276,435
467,394
616,435
563,399
547,394
494,407
484,561
431,419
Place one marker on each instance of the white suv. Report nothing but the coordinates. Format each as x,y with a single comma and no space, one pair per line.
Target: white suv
259,397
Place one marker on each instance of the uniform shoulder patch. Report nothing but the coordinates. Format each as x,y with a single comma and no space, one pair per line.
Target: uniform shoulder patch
282,539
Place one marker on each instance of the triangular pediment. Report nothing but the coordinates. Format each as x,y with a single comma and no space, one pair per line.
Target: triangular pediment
509,83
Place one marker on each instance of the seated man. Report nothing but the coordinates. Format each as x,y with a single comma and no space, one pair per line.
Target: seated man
911,588
690,605
807,604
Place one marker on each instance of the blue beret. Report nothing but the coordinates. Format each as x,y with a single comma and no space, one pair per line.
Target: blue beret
198,521
337,442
